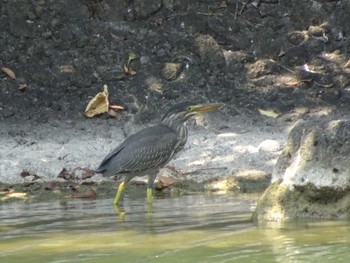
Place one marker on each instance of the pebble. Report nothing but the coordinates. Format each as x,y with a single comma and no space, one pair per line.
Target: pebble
269,146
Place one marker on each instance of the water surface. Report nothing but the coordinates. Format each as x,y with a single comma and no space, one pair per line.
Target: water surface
198,228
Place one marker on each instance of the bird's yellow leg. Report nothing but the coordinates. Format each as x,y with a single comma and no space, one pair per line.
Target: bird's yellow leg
149,196
121,187
149,200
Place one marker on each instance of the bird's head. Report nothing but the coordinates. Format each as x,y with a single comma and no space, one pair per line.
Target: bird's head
181,112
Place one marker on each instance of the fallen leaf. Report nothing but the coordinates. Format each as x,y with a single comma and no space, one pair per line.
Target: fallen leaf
118,38
91,194
132,56
99,104
66,175
269,113
166,181
256,3
281,54
292,83
128,70
22,86
8,72
116,107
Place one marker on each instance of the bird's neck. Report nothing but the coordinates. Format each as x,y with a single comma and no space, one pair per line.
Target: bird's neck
180,128
175,124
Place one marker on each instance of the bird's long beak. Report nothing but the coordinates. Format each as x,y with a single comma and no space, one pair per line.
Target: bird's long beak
206,107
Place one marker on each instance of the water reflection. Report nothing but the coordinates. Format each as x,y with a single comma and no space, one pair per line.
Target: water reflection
199,228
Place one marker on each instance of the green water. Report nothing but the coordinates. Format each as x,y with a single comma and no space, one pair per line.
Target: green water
199,228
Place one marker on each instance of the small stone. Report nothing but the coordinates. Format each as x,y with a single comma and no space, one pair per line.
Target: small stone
210,52
269,146
260,68
315,31
296,38
144,60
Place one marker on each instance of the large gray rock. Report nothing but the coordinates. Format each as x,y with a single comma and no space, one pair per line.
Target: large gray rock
312,175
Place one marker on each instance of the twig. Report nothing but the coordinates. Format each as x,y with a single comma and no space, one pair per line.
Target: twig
250,25
209,14
244,7
236,11
176,15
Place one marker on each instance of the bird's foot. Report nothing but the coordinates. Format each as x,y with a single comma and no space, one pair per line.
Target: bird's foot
120,212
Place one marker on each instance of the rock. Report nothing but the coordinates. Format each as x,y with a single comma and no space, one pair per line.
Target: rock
261,68
296,38
244,181
171,70
315,31
312,175
269,146
210,52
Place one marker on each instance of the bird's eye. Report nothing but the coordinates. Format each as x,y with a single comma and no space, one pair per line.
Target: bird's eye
189,108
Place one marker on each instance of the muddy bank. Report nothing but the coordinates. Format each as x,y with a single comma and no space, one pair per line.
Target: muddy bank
65,190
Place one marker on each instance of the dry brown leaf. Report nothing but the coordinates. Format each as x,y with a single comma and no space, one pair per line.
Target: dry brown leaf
116,107
292,83
166,181
8,72
132,72
118,38
128,71
99,104
91,194
125,68
281,54
22,86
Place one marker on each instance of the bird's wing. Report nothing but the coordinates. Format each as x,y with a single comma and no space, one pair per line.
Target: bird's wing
149,148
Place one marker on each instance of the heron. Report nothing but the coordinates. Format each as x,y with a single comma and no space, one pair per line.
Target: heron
146,151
